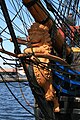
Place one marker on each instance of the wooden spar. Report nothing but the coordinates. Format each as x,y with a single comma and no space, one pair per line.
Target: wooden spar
40,14
8,53
20,41
48,56
14,80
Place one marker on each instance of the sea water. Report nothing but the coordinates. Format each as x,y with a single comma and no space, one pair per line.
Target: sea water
10,109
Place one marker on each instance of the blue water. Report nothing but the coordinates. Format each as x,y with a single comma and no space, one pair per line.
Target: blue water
10,109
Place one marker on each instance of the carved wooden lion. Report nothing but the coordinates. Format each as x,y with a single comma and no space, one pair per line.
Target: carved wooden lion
39,41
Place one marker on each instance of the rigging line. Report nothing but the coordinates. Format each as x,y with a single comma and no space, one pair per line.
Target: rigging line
53,5
66,7
26,84
61,74
53,69
8,58
4,36
7,72
15,24
59,69
19,29
27,14
63,4
61,26
66,79
5,31
43,65
24,24
33,84
18,17
76,58
45,11
31,64
12,19
27,102
56,2
10,1
69,66
30,19
7,62
14,85
69,35
60,2
21,12
42,73
36,86
64,12
2,19
76,7
69,7
57,15
17,99
62,9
